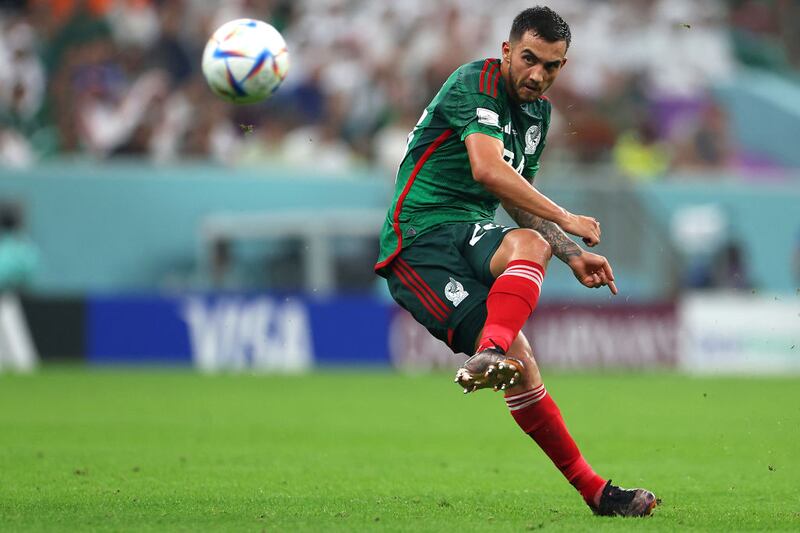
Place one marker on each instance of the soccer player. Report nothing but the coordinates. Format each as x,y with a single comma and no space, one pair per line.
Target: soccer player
473,283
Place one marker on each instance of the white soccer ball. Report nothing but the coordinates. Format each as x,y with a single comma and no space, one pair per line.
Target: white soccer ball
245,61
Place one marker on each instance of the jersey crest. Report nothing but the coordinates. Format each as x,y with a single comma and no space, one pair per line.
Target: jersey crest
532,138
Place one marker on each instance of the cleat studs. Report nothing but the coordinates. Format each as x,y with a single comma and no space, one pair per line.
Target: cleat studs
465,391
501,366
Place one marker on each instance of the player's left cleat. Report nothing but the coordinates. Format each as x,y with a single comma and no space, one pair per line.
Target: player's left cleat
489,368
616,501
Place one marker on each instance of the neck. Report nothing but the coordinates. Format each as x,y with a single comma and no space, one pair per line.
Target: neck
505,73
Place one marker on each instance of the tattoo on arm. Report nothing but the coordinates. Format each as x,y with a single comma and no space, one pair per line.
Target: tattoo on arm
563,247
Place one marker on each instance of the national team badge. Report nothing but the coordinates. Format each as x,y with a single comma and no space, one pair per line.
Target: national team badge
532,138
454,291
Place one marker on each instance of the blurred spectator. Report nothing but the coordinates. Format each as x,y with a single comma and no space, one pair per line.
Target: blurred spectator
766,34
22,80
698,233
111,115
120,77
729,268
712,257
15,151
640,155
173,55
702,141
18,255
18,261
222,264
22,84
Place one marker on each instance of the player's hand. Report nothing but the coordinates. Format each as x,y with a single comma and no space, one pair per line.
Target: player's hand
593,271
587,228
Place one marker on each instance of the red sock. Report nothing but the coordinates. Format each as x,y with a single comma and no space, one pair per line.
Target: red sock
538,416
511,301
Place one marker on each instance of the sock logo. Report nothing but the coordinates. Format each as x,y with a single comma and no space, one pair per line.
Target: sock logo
454,291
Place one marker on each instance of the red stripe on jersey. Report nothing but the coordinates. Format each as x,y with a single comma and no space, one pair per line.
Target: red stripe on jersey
543,97
494,82
483,72
442,306
399,206
487,87
421,297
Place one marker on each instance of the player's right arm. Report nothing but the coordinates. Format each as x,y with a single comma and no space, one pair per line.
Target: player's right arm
498,177
591,270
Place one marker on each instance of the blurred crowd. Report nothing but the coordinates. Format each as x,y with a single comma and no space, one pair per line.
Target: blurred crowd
111,78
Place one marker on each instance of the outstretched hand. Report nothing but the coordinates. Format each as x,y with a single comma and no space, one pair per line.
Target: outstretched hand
593,271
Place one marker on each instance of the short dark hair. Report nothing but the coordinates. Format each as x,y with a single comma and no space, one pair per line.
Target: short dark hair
543,22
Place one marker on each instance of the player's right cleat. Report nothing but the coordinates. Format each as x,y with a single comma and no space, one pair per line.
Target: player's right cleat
489,368
616,501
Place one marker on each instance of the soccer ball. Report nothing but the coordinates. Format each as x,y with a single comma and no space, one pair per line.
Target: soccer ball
245,61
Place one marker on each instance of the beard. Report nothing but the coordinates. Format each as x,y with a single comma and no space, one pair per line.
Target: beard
524,92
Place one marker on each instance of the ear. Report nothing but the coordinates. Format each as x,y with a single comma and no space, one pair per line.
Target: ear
506,51
563,62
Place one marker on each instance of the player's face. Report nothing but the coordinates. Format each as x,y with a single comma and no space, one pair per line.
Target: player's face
533,64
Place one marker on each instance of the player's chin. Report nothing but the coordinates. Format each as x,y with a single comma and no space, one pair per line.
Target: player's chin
529,95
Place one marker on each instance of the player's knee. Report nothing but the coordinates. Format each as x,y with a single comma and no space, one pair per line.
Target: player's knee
527,242
543,246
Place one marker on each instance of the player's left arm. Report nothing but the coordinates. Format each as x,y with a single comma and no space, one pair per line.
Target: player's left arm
591,270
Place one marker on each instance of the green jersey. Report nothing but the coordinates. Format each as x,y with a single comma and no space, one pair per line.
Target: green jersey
434,183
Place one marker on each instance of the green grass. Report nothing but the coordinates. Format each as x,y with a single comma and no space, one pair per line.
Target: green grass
349,451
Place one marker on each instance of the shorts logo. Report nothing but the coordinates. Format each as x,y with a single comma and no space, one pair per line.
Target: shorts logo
477,234
532,138
488,117
480,230
454,291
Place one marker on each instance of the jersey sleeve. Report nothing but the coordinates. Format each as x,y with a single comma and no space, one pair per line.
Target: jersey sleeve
473,106
532,160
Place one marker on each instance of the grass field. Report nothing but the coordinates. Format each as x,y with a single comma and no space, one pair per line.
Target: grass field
140,450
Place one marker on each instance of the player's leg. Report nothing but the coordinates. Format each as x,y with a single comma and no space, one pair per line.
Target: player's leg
515,273
518,266
538,415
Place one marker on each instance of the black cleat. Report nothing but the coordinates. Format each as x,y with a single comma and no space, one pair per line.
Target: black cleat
489,368
615,501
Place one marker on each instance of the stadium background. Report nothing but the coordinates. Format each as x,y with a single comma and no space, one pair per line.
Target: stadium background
147,225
